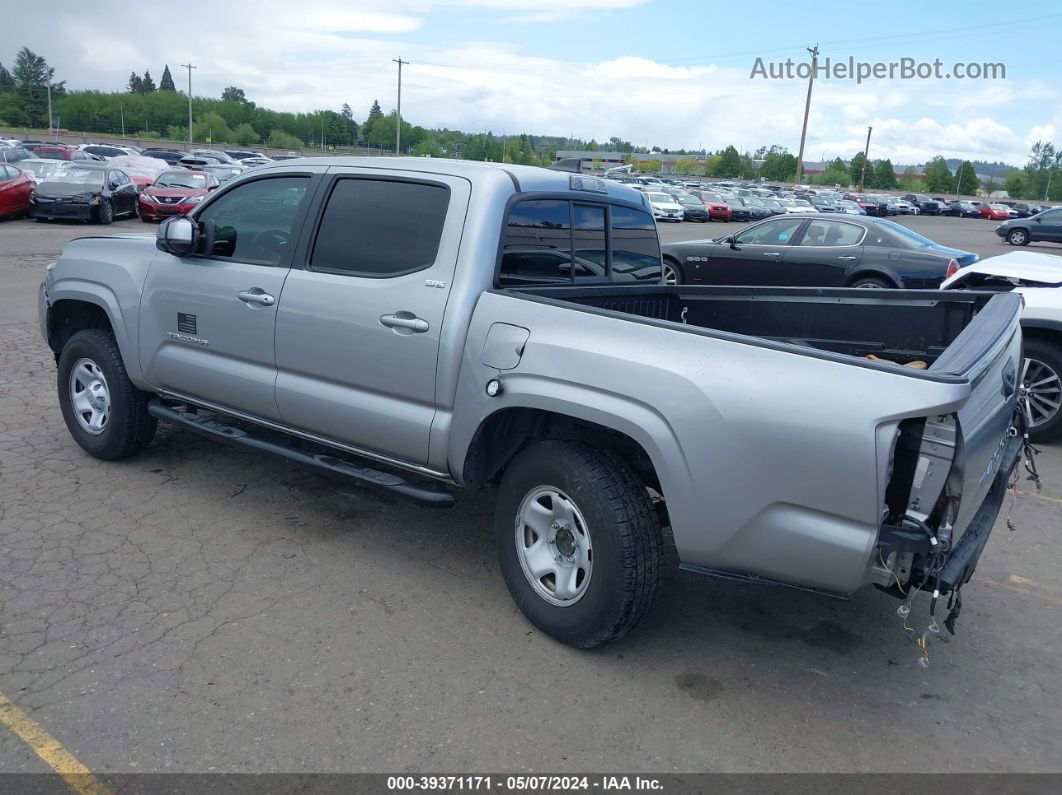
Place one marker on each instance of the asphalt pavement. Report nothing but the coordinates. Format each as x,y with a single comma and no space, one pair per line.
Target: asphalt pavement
201,609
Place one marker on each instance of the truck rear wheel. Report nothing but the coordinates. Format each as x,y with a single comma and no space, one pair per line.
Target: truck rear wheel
104,412
578,542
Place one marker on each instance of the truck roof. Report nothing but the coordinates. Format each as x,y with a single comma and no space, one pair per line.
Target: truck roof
524,178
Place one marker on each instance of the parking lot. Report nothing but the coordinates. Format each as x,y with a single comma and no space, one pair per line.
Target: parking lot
202,609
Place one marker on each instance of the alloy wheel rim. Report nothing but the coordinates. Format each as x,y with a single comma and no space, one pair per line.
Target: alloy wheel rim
90,397
553,546
670,275
1041,391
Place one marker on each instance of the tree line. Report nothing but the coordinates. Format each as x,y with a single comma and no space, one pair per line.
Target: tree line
148,111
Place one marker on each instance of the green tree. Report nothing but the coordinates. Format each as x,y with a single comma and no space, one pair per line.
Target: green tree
278,139
885,175
32,76
1015,185
909,180
6,81
937,177
966,181
166,83
779,165
245,134
855,170
428,147
348,120
147,84
213,126
729,164
1043,160
136,84
233,94
687,165
836,173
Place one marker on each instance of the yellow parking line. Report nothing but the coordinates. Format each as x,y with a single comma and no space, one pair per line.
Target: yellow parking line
79,777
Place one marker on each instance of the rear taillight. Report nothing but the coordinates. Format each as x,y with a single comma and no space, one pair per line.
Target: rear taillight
953,268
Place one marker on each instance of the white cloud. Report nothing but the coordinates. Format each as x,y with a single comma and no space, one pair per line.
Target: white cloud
328,52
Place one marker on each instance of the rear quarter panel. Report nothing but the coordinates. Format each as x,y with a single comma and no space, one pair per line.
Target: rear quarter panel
770,462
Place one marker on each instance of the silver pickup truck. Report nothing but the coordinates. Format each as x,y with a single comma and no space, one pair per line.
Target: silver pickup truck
419,325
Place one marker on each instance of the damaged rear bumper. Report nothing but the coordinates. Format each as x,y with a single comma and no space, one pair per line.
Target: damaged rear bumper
962,561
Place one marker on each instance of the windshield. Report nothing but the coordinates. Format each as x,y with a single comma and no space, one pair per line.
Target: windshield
661,198
175,179
41,168
76,175
690,200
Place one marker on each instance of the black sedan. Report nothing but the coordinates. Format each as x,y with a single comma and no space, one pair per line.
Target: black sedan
961,209
1045,226
86,192
747,209
815,251
693,209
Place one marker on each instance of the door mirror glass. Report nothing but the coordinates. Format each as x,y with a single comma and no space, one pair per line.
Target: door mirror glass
730,240
177,236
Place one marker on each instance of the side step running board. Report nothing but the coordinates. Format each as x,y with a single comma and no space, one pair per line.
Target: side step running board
364,476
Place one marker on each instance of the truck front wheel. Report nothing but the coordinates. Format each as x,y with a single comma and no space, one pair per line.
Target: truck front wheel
103,411
578,542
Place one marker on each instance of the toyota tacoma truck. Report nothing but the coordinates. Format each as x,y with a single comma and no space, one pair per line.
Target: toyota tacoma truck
420,326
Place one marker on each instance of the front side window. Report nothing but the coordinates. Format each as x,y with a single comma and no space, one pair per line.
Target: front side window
380,228
253,222
770,233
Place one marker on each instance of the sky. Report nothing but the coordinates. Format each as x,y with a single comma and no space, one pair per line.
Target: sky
667,73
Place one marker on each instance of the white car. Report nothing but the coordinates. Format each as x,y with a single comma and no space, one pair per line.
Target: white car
665,207
906,208
217,154
798,206
39,169
107,151
251,162
1038,277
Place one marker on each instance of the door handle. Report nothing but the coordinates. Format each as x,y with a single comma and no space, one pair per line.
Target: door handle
772,253
404,323
256,296
847,258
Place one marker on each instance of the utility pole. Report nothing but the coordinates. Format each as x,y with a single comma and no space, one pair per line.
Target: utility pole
189,67
1048,188
398,112
121,109
866,152
807,109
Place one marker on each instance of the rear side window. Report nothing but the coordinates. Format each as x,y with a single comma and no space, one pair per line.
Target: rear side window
557,242
380,228
635,247
537,247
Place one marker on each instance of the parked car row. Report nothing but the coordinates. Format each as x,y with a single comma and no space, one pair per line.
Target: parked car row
97,182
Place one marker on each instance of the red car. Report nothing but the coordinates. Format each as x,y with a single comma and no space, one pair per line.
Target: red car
175,192
994,212
56,152
718,210
15,189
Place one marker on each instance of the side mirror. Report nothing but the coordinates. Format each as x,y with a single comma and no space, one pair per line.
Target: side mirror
730,241
177,236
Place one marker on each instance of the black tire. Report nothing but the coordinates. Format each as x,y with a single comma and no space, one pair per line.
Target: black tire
624,534
40,219
670,266
129,428
1018,237
872,282
1049,355
105,212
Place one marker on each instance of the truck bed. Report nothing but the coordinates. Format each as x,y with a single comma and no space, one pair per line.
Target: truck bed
898,326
